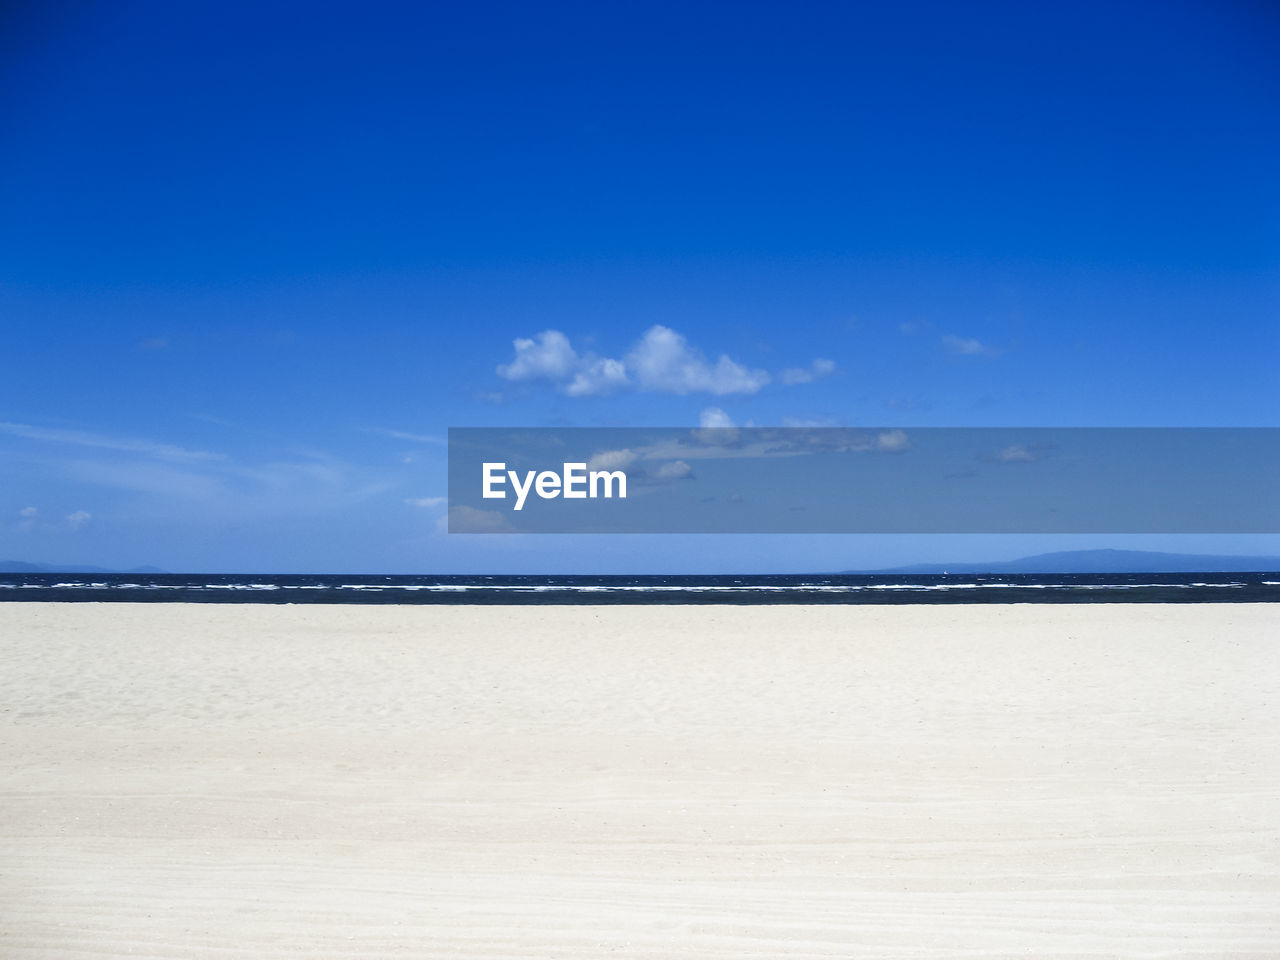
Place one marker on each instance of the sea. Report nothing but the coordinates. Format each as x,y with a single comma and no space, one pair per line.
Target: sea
735,589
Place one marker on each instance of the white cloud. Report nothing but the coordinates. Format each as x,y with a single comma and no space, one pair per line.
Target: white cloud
664,362
893,441
28,512
611,460
548,357
968,347
78,519
815,371
661,361
1017,453
673,470
717,427
425,502
714,418
600,376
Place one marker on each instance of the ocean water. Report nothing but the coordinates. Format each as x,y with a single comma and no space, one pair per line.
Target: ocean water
740,589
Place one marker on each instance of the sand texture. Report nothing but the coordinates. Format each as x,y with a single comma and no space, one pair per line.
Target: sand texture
254,781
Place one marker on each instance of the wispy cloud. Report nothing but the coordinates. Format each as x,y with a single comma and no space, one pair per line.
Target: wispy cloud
406,436
815,371
178,482
27,519
426,502
79,438
156,480
968,347
216,421
234,490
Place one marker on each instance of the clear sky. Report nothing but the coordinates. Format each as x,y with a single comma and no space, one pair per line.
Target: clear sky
255,259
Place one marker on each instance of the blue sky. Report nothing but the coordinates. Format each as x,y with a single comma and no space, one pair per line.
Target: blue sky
256,259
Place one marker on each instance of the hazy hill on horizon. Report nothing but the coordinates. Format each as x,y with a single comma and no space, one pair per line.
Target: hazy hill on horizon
20,566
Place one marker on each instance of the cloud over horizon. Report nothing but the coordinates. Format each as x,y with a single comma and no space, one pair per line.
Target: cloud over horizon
661,361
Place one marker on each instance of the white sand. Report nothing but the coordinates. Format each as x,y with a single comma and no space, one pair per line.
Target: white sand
209,781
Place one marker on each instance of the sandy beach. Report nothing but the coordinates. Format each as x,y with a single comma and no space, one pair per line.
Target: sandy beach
256,781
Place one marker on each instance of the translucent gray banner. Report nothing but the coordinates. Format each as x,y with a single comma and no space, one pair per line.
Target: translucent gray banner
856,480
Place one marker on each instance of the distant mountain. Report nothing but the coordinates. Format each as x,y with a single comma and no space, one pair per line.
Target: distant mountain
17,566
1100,561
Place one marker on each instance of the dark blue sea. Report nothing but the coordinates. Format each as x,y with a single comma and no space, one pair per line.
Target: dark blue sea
741,589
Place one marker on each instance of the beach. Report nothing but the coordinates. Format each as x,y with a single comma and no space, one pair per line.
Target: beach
331,781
